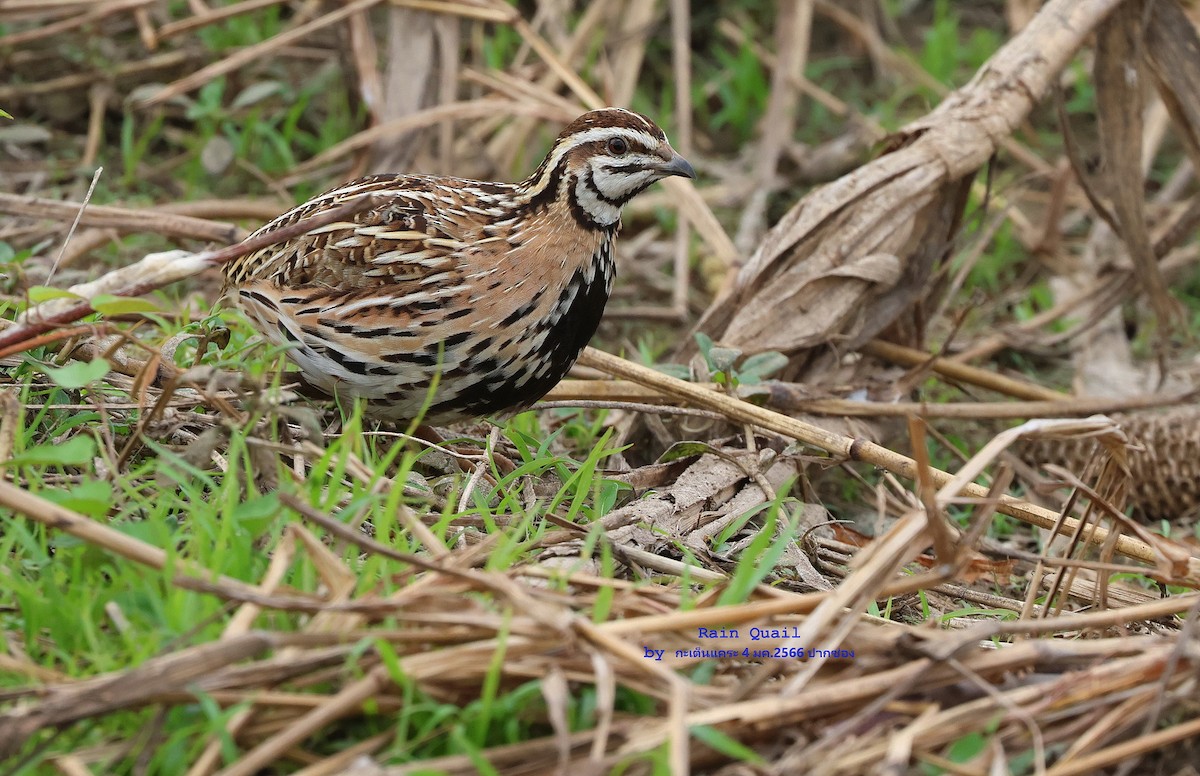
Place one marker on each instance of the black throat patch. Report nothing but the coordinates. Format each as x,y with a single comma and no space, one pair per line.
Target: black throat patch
579,309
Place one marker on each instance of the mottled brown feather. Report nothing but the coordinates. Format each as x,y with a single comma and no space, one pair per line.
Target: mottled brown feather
488,290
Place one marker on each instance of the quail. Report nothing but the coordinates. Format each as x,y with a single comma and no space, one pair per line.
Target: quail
449,298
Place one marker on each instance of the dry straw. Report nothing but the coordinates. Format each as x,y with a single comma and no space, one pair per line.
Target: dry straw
1095,688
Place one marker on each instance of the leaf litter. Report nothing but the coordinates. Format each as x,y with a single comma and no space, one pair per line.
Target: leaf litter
923,642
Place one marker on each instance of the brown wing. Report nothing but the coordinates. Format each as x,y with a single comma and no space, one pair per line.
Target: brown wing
418,231
353,299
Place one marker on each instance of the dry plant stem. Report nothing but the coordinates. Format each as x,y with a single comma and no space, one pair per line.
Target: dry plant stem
985,410
213,16
98,96
962,372
1064,693
257,209
832,621
344,761
240,624
87,199
466,109
168,60
861,450
1119,106
155,271
681,53
651,409
88,530
779,712
500,14
576,392
124,219
942,535
54,336
352,697
134,688
1094,761
11,414
97,13
792,37
247,55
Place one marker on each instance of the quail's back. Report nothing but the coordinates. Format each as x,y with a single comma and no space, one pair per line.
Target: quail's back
459,297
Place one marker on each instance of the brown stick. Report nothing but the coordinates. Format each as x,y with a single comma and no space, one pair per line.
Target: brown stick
862,450
959,371
157,270
125,219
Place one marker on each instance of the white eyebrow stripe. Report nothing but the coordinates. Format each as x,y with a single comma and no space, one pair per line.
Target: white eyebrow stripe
599,133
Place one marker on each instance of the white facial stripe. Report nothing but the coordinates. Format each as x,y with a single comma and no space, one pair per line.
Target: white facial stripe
619,184
599,133
603,213
603,133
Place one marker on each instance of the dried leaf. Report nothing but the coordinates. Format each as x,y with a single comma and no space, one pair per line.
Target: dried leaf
1119,105
1172,52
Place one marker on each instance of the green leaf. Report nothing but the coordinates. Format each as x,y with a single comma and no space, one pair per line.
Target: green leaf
5,114
90,497
731,748
678,371
39,294
76,451
761,365
256,92
684,450
967,748
77,374
257,514
109,304
723,358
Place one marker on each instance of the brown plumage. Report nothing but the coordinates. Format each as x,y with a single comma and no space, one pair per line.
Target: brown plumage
489,290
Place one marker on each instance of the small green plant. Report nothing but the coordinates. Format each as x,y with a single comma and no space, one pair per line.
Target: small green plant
742,89
724,367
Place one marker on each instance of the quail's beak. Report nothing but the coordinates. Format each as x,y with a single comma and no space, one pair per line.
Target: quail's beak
677,166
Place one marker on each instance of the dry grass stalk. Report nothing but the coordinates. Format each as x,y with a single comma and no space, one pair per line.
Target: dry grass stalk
122,219
250,53
1177,566
152,272
910,691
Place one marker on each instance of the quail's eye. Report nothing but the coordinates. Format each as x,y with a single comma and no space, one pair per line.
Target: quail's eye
617,146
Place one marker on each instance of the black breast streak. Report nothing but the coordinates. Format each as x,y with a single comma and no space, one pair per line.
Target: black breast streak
454,340
522,312
480,346
402,357
497,384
